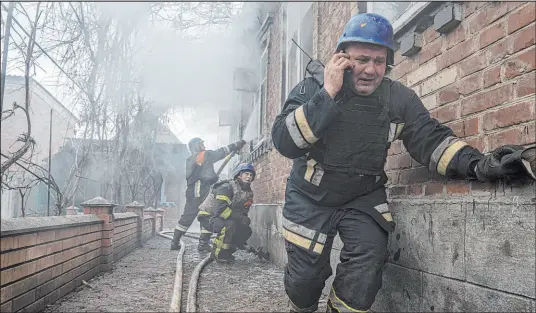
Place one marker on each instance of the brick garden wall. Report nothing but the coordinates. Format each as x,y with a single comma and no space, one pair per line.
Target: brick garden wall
125,234
40,264
458,246
147,227
44,258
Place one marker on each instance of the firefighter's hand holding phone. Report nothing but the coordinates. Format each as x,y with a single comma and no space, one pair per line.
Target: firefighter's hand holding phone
334,72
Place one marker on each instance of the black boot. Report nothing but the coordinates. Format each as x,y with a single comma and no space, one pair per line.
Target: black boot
176,241
227,259
204,242
225,256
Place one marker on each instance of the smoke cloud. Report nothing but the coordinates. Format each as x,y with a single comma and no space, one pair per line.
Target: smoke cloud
194,78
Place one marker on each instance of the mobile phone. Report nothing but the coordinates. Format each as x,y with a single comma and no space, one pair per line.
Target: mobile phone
347,73
347,81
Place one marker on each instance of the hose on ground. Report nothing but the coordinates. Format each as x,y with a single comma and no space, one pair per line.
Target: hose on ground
175,305
191,305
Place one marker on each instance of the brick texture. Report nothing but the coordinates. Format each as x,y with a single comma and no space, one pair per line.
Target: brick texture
40,267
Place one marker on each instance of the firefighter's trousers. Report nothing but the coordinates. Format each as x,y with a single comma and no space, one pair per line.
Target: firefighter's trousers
191,208
359,275
234,234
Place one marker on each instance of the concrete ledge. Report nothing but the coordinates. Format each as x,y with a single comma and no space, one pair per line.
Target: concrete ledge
448,295
489,243
122,216
408,290
514,200
21,225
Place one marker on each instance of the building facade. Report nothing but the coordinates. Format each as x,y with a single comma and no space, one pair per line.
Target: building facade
169,155
457,243
64,124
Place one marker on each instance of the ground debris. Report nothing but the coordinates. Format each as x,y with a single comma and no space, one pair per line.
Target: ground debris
249,284
143,281
126,288
85,283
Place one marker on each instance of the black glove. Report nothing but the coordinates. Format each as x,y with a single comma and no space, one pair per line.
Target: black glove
240,144
504,162
528,159
245,220
216,224
203,220
236,146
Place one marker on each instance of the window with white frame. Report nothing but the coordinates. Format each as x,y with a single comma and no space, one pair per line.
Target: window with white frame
283,51
299,26
260,94
254,127
398,13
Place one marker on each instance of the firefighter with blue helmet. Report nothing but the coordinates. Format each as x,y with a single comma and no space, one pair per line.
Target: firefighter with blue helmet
225,212
200,175
338,131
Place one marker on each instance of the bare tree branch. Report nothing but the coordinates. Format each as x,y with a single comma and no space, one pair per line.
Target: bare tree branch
3,69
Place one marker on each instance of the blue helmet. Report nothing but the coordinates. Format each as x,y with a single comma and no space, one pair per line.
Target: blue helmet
194,145
244,167
369,28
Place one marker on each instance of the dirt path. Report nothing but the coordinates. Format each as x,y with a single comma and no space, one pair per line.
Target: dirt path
140,282
248,285
143,281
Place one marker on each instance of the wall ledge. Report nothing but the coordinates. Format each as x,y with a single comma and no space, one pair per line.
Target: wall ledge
517,200
21,225
126,215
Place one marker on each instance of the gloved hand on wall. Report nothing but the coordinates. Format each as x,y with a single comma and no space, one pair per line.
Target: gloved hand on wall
236,146
509,161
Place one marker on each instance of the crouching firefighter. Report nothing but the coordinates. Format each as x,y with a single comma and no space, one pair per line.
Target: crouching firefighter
225,212
200,175
338,129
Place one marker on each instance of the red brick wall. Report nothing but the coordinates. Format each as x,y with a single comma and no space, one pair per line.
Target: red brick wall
272,168
478,79
148,226
125,234
39,267
44,258
332,16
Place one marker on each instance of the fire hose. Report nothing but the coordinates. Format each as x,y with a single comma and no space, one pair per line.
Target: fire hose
191,304
191,301
175,305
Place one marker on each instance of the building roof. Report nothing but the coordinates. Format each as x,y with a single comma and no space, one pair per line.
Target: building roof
15,79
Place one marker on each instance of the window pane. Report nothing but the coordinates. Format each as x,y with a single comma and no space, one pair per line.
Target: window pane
264,64
391,10
292,64
306,40
262,107
283,56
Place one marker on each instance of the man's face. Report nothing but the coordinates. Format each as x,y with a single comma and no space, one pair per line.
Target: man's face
370,63
246,177
202,146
